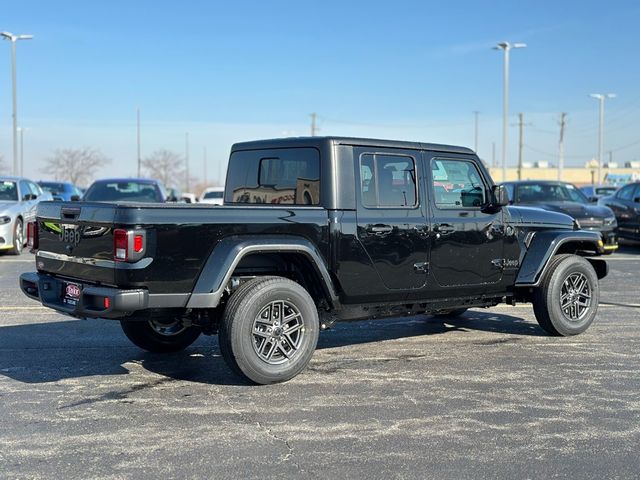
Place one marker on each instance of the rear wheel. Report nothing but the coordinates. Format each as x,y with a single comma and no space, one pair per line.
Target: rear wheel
18,238
566,302
160,337
269,330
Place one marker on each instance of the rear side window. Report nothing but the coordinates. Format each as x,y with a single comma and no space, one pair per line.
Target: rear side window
457,184
288,176
387,180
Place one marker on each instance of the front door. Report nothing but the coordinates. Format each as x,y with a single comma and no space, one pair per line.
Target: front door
467,249
391,221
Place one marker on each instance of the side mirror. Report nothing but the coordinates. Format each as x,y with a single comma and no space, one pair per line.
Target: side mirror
75,198
593,199
637,199
29,196
500,196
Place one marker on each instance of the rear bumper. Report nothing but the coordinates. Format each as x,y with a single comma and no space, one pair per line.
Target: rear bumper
91,302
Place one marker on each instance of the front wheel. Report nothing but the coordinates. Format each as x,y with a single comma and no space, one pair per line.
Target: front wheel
566,302
269,330
157,337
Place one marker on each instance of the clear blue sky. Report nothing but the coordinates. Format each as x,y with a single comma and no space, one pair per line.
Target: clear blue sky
229,71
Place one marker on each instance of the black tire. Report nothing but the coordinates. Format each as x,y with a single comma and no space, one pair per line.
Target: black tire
18,238
255,344
450,313
559,283
158,338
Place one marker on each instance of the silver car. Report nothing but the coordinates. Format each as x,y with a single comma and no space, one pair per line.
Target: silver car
18,200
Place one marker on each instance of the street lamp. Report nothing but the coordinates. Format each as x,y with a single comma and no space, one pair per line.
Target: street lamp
601,98
506,47
13,39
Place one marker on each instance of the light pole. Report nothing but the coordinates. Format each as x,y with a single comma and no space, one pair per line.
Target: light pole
506,47
601,97
21,130
13,39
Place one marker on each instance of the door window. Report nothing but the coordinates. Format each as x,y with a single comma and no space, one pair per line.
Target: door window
626,193
387,180
457,184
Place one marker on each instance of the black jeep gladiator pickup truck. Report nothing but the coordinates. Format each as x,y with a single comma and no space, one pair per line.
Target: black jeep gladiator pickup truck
313,231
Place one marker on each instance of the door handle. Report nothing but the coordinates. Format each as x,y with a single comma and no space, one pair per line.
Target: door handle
444,228
379,229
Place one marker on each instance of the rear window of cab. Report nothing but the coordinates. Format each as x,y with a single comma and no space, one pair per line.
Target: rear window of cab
278,176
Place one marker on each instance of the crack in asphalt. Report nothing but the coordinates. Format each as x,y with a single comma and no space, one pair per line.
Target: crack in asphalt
289,456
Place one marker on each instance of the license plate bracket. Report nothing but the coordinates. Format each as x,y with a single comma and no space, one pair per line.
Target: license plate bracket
71,293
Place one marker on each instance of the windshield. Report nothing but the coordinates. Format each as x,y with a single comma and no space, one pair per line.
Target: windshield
8,191
549,192
606,190
213,195
52,187
123,192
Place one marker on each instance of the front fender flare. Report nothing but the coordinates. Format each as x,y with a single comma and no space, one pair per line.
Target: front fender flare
544,245
225,257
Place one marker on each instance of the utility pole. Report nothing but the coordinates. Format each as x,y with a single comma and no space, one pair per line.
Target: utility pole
186,159
601,97
520,142
521,126
314,128
475,143
563,123
138,135
204,163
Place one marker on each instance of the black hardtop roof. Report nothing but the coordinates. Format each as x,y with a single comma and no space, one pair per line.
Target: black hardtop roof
330,141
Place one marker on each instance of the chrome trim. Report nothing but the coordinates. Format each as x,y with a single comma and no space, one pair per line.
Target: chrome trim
96,262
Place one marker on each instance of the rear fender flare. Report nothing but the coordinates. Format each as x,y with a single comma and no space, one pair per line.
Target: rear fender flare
226,256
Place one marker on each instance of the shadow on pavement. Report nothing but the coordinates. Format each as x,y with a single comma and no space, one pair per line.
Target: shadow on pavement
68,349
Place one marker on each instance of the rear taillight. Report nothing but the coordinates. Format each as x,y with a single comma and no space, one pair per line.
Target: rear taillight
120,245
128,245
32,235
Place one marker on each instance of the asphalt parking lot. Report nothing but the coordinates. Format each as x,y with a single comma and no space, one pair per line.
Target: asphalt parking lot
487,395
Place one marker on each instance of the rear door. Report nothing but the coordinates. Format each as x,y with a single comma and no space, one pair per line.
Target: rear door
391,221
467,249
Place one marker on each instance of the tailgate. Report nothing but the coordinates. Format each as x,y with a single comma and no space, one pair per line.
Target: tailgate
76,240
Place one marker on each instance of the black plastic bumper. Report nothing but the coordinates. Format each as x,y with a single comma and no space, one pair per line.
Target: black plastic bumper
90,303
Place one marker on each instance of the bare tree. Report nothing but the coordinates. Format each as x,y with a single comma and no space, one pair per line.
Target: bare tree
77,166
166,166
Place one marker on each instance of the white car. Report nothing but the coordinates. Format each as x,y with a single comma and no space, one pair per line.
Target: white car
18,200
189,198
212,195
